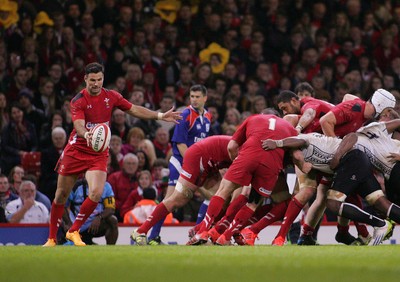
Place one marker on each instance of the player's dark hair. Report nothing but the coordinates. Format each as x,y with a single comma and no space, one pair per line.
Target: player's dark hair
270,111
304,86
94,68
285,96
199,87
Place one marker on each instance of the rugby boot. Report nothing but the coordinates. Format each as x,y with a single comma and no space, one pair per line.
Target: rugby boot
249,237
75,237
380,233
198,239
140,239
306,240
155,241
50,243
222,241
362,241
278,241
345,238
213,234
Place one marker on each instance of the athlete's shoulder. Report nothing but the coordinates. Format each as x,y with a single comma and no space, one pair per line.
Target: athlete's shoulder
110,92
207,114
78,97
187,111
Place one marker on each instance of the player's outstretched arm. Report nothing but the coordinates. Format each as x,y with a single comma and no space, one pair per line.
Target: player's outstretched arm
144,113
298,160
290,142
80,128
393,125
306,118
233,149
328,123
346,145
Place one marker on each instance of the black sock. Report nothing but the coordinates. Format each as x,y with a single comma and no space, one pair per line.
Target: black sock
353,212
394,213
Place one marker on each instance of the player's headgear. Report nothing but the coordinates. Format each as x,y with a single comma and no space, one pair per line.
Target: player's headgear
382,99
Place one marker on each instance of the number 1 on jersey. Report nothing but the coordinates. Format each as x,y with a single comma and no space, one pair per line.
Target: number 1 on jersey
272,123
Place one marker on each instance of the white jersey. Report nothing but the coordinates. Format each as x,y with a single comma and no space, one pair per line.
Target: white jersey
375,141
320,150
38,213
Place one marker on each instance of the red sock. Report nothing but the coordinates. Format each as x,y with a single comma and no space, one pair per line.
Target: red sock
342,229
260,213
276,213
159,213
292,212
239,221
361,229
55,219
307,229
214,208
232,210
88,206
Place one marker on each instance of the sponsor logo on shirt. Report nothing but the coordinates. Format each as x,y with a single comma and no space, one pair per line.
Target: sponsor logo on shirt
185,173
106,100
265,191
197,139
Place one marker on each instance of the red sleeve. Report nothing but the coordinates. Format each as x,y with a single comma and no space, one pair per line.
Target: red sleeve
77,108
344,111
240,134
121,102
310,105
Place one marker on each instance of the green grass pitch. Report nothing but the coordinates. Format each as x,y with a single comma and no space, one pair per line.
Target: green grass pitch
200,263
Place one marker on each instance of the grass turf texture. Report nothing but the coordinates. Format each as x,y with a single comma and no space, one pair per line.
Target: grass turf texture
200,263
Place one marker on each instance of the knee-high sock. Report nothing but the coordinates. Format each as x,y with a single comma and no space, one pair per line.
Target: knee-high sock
260,213
232,210
275,214
55,219
292,212
88,206
238,222
214,208
156,229
307,230
353,212
361,228
158,214
394,213
202,211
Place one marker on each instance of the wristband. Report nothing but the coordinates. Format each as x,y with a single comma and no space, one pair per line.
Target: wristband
299,128
160,116
85,135
279,143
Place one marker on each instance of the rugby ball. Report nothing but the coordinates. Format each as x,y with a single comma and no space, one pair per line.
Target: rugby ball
101,137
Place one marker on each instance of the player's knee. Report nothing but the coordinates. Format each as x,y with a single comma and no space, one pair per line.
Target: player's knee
61,197
334,200
185,191
333,206
280,196
252,206
112,221
305,195
374,197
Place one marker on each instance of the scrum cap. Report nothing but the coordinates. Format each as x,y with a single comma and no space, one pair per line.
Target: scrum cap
382,99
